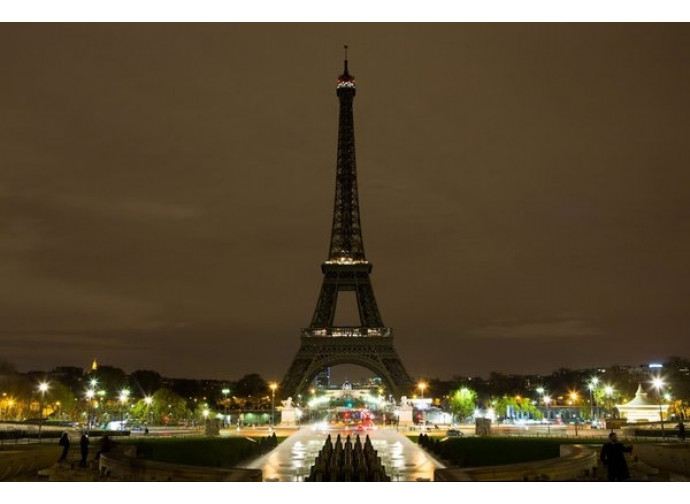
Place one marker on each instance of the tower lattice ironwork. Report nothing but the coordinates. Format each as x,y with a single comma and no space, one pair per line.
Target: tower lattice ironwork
324,344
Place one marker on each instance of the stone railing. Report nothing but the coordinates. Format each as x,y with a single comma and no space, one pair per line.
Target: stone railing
576,463
122,465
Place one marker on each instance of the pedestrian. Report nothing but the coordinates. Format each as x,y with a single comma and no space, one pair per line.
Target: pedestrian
64,442
613,457
84,445
106,446
681,431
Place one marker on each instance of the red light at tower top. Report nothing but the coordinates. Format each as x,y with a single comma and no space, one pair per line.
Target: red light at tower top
346,80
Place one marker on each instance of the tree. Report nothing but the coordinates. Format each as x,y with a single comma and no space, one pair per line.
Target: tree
679,381
60,402
166,407
463,403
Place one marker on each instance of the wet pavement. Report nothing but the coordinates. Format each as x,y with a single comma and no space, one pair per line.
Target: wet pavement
291,460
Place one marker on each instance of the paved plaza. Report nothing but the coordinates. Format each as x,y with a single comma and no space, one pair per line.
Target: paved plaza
292,459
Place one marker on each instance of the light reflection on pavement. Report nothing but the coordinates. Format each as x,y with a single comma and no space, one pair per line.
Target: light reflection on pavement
292,459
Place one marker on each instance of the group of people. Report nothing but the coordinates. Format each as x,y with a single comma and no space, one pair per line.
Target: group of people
106,445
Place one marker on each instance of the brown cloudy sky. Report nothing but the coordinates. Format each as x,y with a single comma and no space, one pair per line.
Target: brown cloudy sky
166,192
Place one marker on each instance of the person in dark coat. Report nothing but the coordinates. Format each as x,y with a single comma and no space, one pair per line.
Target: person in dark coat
84,445
64,442
106,446
681,431
613,457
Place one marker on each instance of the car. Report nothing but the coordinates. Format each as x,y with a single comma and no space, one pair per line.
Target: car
453,433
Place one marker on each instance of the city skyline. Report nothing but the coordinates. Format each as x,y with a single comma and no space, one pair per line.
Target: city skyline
167,195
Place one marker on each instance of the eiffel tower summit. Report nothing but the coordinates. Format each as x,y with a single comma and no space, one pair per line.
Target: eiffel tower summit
323,344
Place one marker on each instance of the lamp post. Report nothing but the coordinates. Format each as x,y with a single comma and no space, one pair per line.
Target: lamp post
421,386
89,397
312,405
148,400
574,396
608,393
659,384
547,401
541,392
42,388
102,406
10,403
124,394
225,392
592,386
273,386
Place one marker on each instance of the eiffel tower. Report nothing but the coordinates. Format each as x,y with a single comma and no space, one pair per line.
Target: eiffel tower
369,345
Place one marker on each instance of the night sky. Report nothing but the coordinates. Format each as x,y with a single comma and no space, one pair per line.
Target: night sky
166,192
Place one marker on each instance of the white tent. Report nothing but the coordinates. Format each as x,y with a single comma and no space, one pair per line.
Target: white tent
641,408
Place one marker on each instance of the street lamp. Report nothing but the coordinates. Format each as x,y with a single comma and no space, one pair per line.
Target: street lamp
42,388
148,400
89,397
608,392
10,403
542,392
421,386
659,384
574,397
124,394
225,392
592,386
547,401
273,386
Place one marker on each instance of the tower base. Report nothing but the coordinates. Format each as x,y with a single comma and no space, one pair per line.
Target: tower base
371,352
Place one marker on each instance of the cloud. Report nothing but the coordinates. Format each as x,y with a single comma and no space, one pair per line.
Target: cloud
573,328
131,208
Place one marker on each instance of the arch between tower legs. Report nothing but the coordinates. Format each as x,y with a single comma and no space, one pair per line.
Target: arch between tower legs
373,353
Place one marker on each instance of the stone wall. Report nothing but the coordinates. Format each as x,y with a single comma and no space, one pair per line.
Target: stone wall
577,462
118,466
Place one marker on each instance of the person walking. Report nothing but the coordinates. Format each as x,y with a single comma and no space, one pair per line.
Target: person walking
64,442
681,431
84,445
613,457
